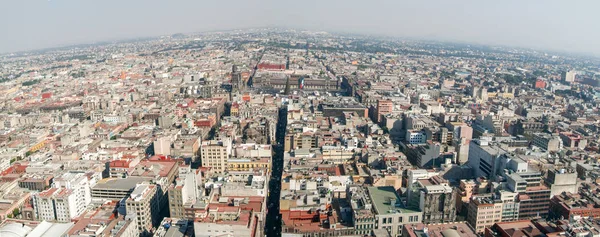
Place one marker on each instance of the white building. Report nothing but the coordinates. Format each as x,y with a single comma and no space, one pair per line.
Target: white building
570,76
80,186
56,204
416,137
162,146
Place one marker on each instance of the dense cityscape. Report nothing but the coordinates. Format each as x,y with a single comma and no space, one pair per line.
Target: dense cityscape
280,132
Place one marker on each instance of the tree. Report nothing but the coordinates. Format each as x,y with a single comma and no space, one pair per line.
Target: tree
16,212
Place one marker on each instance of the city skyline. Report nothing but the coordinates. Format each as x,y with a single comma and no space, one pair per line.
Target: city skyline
555,26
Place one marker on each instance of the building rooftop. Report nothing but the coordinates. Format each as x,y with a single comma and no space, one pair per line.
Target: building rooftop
121,184
386,200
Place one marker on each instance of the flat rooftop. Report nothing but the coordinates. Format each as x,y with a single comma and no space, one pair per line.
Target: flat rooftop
125,184
381,196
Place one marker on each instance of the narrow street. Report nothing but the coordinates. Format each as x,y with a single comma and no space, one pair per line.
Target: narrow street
273,220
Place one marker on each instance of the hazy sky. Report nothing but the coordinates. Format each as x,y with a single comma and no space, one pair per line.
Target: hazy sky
565,25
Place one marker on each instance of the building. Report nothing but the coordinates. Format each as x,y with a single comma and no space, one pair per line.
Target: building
162,146
384,107
524,228
143,204
184,193
483,212
80,186
415,137
237,83
36,182
464,192
116,189
248,157
436,200
424,155
574,205
561,180
215,154
173,227
534,202
484,158
363,217
539,83
390,214
547,142
453,229
57,204
569,76
573,140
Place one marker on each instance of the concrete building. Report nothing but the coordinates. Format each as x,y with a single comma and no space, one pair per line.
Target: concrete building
436,200
453,229
143,203
162,146
415,137
80,186
116,189
573,140
483,212
390,214
569,76
562,180
465,190
574,205
363,218
484,158
214,154
384,107
57,204
547,142
183,194
424,155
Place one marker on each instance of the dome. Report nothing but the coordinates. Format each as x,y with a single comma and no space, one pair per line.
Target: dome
14,230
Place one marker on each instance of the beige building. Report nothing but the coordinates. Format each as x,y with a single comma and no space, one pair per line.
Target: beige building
483,212
143,203
214,154
184,193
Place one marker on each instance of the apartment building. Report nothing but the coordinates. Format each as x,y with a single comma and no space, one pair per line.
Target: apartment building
143,203
57,204
214,154
483,212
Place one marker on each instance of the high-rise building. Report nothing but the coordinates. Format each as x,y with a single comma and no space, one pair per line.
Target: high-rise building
436,200
384,107
562,180
143,203
80,186
390,213
215,153
57,204
237,83
483,212
569,76
183,194
162,146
